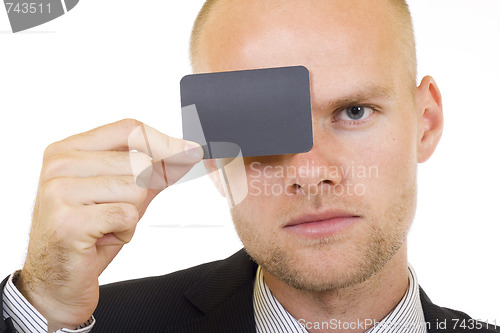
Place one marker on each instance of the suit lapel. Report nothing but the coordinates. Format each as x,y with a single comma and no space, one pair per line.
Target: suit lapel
446,320
225,297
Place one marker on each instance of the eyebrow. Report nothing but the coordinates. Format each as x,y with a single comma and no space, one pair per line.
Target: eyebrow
361,96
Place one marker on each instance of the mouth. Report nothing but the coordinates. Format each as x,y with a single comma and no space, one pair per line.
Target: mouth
321,225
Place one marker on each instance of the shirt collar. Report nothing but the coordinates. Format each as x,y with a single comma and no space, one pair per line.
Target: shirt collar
271,317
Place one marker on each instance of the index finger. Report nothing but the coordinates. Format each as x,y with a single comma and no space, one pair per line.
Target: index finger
131,134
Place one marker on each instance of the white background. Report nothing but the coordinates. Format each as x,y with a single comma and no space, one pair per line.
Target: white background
107,60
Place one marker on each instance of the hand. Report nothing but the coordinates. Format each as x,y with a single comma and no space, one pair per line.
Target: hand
87,208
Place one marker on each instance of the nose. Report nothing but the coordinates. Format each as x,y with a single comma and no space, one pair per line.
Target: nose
311,173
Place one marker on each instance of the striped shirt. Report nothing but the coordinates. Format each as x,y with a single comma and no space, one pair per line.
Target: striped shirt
271,317
25,318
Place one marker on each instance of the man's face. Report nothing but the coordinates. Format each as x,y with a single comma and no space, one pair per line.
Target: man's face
359,181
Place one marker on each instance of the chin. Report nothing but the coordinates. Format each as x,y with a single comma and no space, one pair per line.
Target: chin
325,264
317,271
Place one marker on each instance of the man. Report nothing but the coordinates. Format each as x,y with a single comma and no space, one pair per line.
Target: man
315,256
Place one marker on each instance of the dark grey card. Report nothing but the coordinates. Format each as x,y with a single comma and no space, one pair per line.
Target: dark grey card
261,112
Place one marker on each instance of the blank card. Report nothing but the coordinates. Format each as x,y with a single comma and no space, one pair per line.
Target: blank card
248,113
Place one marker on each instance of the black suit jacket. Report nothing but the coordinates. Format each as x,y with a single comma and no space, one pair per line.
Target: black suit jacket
211,298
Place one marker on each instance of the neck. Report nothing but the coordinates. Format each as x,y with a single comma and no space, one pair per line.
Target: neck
364,303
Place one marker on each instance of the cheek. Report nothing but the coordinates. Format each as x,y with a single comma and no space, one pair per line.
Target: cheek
392,159
394,155
254,185
264,186
393,173
398,150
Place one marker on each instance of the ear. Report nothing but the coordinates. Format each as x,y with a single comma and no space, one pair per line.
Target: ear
214,174
430,117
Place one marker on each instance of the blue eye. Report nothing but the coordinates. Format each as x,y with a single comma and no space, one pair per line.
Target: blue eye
354,113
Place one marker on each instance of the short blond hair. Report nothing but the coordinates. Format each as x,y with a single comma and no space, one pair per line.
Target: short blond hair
404,24
199,23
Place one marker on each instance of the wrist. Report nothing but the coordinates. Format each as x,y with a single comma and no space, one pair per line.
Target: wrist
56,314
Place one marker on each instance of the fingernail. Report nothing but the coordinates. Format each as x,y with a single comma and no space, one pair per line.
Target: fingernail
193,150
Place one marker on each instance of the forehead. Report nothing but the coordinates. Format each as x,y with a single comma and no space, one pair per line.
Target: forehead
337,40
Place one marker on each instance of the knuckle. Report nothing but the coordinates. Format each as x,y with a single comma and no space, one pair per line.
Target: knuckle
54,165
121,183
109,161
138,195
63,221
129,124
51,149
123,216
131,213
54,189
107,183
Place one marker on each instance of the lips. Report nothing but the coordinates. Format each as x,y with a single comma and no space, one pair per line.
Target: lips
321,224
